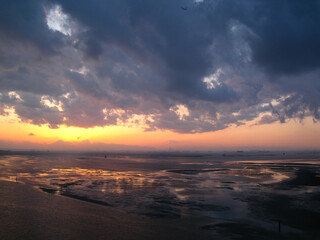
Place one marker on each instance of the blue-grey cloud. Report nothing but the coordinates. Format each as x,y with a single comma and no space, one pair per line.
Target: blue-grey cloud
213,65
24,21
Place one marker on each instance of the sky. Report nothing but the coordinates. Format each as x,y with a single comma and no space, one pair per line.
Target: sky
160,75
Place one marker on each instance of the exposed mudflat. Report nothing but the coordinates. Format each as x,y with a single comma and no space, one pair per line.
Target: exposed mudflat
240,196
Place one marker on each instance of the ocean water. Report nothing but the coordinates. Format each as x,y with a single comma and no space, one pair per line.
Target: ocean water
262,193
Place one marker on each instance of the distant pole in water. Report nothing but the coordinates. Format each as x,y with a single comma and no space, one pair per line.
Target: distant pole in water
105,156
279,225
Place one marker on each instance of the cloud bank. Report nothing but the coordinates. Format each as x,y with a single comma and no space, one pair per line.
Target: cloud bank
185,66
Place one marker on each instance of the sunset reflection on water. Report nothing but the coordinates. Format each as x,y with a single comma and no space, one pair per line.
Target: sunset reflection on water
162,187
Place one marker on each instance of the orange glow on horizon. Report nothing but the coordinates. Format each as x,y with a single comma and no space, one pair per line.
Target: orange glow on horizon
292,135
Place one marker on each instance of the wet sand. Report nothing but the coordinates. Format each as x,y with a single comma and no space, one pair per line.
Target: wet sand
28,213
129,197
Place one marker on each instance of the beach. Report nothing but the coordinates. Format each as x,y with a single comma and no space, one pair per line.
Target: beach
160,196
27,213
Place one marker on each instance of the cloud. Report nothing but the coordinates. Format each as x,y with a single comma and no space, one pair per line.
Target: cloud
288,36
267,119
107,62
71,146
25,22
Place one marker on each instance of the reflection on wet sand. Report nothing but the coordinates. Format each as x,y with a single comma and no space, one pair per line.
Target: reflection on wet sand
236,195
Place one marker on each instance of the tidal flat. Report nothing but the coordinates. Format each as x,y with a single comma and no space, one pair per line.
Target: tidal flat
220,195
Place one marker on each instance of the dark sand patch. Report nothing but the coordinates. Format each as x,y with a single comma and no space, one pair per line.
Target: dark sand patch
194,171
207,207
161,210
246,230
48,190
292,211
27,213
304,177
299,209
84,198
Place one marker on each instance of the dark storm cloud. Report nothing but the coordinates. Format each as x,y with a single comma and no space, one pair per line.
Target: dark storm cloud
143,29
25,21
286,32
289,36
215,64
25,80
85,84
